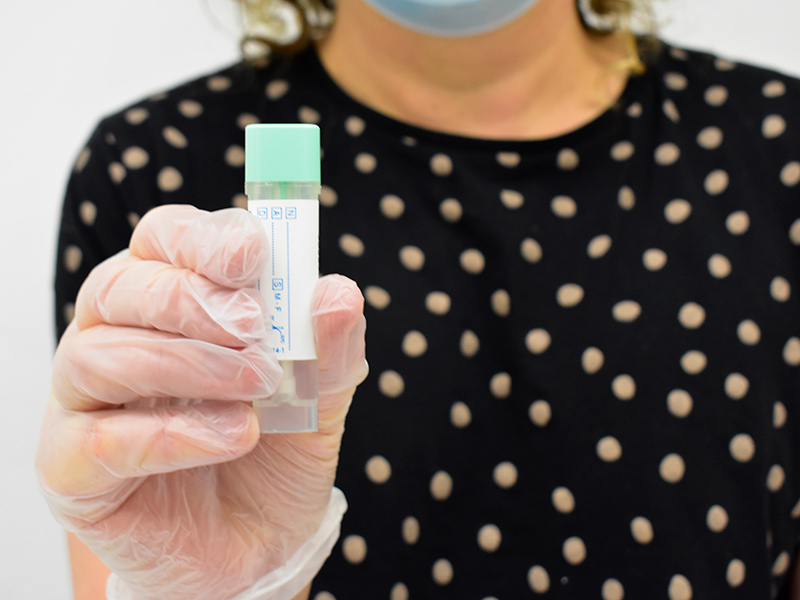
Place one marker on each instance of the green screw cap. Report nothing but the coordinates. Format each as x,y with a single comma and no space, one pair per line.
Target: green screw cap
281,152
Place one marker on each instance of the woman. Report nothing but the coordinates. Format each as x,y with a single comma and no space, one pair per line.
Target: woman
580,275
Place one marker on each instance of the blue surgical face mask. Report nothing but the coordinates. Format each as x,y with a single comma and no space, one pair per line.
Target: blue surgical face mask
451,18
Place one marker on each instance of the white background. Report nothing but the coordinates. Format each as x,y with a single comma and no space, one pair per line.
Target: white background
64,65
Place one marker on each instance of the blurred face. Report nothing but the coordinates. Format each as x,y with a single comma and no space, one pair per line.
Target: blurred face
451,18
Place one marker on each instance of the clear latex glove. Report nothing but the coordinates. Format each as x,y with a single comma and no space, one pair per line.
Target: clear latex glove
149,450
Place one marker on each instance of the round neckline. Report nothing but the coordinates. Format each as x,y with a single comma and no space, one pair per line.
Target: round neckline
602,122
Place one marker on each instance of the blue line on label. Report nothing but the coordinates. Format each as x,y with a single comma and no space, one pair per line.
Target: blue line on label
272,239
288,291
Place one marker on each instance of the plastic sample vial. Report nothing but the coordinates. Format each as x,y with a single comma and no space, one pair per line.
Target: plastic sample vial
282,183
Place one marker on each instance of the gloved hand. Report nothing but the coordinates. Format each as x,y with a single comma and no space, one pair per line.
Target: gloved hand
149,450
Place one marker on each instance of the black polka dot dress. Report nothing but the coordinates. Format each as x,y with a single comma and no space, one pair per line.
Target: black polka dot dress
584,351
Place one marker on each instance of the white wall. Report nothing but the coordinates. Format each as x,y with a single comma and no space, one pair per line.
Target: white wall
64,64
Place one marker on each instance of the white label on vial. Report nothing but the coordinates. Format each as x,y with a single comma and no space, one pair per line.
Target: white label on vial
287,283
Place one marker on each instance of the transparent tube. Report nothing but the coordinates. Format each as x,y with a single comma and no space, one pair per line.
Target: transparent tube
290,213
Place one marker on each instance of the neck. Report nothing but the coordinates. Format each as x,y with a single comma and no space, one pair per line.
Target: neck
540,76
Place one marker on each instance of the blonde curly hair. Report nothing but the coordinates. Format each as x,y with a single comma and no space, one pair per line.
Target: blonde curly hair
288,26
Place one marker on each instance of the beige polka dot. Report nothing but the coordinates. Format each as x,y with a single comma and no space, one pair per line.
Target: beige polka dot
441,165
716,182
796,511
676,81
567,159
677,211
654,259
717,518
738,222
218,83
622,150
460,415
538,579
563,500
672,468
378,469
667,154
537,341
190,109
277,88
489,538
624,387
69,312
724,65
73,257
328,196
735,573
679,403
540,413
564,207
82,160
133,219
609,449
500,385
505,475
441,486
742,447
412,258
791,352
531,250
716,95
169,179
794,233
117,172
790,174
239,201
736,386
511,199
626,198
773,126
679,54
174,137
88,212
354,548
409,141
719,266
679,588
469,344
693,362
671,111
780,289
635,110
399,592
391,384
592,360
351,245
781,564
306,114
508,159
377,297
773,89
775,478
574,550
414,344
599,246
569,294
410,531
472,261
779,415
365,162
136,116
710,138
451,210
324,596
749,332
626,311
691,315
501,303
612,590
438,303
642,530
245,119
392,207
355,126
